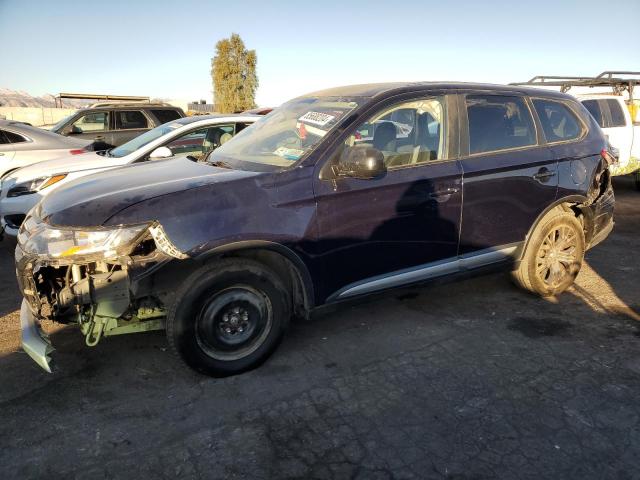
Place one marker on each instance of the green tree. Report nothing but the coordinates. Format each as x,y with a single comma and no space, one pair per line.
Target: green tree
233,73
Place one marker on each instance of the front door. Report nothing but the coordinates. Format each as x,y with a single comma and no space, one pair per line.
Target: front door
509,178
375,233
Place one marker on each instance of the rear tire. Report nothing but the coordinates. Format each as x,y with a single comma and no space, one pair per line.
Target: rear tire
553,257
229,317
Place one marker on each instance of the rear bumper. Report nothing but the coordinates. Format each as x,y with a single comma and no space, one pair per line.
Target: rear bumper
34,341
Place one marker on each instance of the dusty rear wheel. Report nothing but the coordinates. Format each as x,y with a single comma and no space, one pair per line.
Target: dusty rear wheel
553,257
229,317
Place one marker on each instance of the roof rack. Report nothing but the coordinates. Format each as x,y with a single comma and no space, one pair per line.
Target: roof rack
619,81
94,96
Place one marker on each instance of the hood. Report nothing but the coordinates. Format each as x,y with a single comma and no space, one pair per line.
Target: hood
63,164
90,201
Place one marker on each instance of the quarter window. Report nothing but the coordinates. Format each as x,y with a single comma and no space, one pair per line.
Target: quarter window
407,134
130,120
558,122
498,122
13,137
3,138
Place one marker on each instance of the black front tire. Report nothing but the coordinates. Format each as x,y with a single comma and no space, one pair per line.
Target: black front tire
228,317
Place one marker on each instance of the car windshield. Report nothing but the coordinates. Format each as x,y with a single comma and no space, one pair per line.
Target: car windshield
58,126
144,139
286,135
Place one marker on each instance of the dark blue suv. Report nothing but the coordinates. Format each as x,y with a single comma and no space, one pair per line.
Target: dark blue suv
334,195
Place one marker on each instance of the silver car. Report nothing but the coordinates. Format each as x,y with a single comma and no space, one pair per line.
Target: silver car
21,145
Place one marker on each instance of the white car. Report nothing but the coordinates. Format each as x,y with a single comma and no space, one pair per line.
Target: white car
195,137
21,145
614,117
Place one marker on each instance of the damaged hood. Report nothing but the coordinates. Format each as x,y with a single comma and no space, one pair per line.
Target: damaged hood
92,200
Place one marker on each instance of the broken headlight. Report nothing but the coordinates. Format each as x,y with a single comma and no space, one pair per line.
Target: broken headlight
90,244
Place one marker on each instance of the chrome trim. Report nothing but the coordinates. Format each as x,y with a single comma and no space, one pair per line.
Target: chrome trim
428,271
34,341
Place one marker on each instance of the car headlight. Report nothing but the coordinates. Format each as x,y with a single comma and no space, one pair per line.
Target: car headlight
86,244
35,185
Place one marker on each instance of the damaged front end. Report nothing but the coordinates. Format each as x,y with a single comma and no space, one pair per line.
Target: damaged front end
100,279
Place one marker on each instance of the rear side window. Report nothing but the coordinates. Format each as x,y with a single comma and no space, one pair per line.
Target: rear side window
595,110
617,115
558,121
130,119
165,116
14,137
498,122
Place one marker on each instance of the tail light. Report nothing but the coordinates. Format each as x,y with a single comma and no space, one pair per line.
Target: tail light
608,157
77,151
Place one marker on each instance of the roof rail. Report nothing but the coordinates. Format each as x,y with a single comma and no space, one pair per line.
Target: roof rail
619,81
129,104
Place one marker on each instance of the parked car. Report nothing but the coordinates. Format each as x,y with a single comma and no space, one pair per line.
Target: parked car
613,116
21,145
112,124
192,136
294,214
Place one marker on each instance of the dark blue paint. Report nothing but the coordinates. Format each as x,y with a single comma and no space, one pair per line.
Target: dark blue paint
346,230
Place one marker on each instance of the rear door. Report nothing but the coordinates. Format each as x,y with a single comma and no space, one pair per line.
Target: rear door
509,178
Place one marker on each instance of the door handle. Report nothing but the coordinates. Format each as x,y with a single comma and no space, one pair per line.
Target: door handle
443,195
544,174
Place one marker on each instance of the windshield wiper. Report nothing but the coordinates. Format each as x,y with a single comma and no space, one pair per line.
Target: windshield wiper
220,164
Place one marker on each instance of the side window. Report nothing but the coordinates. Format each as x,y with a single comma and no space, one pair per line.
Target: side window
130,119
558,121
3,138
407,134
202,141
165,115
14,137
91,122
617,114
498,122
595,110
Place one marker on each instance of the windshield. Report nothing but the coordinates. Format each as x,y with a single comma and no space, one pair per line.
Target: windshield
142,140
58,126
285,135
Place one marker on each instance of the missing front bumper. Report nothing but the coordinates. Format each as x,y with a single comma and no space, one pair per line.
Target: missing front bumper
34,341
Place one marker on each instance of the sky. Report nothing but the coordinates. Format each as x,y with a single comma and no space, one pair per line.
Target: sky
163,48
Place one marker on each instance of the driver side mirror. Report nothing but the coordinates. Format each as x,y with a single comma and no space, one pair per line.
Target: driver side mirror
74,130
161,152
361,161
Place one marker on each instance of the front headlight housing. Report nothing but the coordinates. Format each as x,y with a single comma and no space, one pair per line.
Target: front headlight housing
86,244
34,186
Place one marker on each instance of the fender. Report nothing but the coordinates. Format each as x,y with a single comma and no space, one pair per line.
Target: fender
286,252
560,201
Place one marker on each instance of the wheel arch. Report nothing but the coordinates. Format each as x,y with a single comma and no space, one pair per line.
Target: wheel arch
567,204
286,263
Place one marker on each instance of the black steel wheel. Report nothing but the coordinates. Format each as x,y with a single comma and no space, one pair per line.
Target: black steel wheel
229,317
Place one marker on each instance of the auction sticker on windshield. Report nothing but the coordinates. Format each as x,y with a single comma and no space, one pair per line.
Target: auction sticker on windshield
317,118
289,153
